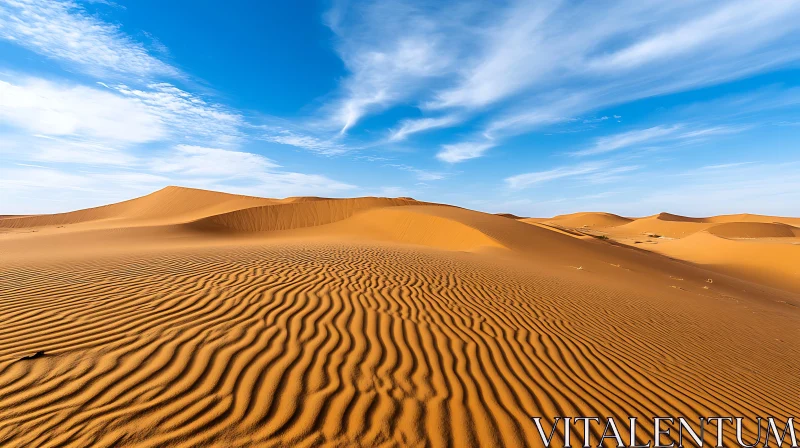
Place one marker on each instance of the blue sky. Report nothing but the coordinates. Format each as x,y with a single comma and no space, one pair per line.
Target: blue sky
530,107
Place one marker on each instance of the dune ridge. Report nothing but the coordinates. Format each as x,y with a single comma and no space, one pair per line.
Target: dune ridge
293,215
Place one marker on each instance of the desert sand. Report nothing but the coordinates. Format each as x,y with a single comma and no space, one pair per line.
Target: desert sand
762,249
195,318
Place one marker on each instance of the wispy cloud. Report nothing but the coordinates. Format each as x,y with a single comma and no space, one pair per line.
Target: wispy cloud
721,166
526,180
391,49
186,114
422,175
627,139
526,65
126,133
409,127
655,134
115,114
610,174
308,142
459,152
63,31
202,161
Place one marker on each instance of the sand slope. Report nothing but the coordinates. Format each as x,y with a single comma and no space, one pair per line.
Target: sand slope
367,322
769,263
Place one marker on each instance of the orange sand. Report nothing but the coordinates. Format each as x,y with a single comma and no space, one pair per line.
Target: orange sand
762,249
194,318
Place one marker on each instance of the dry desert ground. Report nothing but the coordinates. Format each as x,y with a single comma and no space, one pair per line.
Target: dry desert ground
195,318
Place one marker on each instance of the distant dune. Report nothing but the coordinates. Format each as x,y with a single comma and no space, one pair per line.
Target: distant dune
590,219
196,318
754,230
765,249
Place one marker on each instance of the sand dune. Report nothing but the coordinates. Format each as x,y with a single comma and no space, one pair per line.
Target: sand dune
293,215
672,228
665,224
168,205
754,230
763,249
769,263
234,321
589,219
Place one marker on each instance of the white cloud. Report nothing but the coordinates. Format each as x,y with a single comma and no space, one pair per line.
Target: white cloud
43,107
40,148
529,179
524,65
326,147
201,161
422,175
129,132
715,130
714,29
409,127
392,50
62,30
511,59
626,139
187,115
725,166
460,152
86,118
284,184
608,175
655,134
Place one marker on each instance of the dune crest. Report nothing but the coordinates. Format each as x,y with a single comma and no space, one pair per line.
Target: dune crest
664,216
293,215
